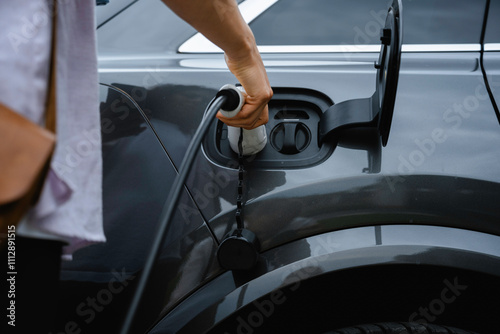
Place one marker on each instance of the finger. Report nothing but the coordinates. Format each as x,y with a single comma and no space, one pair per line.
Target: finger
262,119
248,118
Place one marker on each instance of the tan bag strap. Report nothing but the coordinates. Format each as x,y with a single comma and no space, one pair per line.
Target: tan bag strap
51,102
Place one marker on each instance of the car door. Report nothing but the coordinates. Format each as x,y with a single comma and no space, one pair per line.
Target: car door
99,281
141,58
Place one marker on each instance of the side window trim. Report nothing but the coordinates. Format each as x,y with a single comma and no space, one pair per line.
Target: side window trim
492,47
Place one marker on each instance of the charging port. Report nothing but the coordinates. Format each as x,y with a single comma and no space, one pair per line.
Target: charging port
294,116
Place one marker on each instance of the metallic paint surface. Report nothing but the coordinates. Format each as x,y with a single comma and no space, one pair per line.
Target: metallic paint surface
434,200
334,251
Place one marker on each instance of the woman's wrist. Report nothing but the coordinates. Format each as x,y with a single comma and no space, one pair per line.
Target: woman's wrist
243,45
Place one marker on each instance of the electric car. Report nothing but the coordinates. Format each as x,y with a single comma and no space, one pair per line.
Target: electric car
373,208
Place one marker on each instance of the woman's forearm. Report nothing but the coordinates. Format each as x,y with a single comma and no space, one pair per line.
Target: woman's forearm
218,20
221,22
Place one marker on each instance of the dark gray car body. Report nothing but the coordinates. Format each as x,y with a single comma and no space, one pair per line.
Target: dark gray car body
415,239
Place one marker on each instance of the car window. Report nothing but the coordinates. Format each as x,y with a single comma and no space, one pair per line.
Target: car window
337,22
493,27
443,21
354,25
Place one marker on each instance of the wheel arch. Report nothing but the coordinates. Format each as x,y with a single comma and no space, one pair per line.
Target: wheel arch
355,272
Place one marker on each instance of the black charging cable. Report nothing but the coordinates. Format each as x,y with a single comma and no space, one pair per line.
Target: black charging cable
170,205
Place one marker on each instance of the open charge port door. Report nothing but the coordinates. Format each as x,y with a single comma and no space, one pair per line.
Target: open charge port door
305,126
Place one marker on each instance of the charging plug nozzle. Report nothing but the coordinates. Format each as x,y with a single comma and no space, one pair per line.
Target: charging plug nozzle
234,100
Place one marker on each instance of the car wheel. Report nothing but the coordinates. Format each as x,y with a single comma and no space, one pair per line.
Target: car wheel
399,328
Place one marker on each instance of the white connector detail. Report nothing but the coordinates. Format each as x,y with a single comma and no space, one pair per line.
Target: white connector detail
254,140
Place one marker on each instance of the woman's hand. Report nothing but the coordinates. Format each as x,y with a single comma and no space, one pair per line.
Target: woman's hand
249,70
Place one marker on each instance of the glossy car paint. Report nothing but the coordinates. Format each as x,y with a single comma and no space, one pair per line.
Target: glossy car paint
306,259
433,201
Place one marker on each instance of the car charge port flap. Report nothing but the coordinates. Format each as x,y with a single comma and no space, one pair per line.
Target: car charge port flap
305,126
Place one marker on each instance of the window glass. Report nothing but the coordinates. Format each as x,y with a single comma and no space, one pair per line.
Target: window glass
353,22
443,21
493,26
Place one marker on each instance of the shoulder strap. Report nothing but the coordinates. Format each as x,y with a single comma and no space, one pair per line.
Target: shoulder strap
50,106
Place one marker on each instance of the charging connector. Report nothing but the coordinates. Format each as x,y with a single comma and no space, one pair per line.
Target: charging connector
234,100
254,140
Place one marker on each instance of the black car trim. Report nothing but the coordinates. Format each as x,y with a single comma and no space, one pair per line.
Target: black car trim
286,264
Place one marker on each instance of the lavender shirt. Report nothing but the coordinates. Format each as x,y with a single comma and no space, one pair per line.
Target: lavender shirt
70,207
